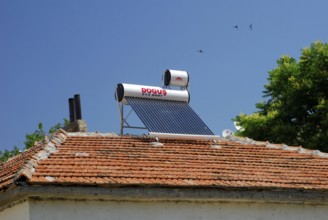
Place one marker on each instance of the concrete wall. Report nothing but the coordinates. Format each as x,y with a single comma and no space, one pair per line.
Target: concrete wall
83,210
114,210
16,212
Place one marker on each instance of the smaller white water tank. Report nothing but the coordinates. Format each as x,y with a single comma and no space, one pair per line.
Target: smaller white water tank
175,78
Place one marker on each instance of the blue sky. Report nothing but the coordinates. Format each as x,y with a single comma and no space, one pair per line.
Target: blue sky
51,50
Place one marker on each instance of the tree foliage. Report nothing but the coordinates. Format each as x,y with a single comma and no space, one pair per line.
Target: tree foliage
30,140
296,108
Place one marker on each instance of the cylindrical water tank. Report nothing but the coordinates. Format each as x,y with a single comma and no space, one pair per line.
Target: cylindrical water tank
149,92
175,78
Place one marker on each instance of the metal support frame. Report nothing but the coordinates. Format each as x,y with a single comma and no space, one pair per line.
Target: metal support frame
123,120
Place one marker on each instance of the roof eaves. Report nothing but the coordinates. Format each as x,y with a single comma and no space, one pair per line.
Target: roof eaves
290,196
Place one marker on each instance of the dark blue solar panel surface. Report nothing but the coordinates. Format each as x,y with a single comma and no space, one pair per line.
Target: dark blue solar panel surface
168,116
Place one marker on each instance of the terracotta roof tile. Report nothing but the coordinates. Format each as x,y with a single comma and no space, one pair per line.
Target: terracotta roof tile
110,160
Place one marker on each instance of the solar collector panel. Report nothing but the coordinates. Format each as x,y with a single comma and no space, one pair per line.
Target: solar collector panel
165,116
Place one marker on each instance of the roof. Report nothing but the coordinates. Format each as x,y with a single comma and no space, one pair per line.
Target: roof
109,160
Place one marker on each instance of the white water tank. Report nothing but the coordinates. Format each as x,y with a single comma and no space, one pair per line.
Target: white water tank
175,78
149,92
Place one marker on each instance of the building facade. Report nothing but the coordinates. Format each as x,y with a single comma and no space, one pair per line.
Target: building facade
89,175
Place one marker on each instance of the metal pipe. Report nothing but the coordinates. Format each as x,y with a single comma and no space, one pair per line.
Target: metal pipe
183,136
71,110
120,109
77,103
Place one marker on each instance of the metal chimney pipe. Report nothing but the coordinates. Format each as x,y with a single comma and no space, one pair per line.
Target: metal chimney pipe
71,110
77,104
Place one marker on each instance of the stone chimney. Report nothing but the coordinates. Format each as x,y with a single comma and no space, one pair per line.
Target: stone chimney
77,124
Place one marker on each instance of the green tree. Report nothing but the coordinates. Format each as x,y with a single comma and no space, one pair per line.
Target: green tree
4,156
295,110
36,136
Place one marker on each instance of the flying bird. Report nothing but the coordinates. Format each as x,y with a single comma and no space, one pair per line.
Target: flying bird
236,26
251,27
201,51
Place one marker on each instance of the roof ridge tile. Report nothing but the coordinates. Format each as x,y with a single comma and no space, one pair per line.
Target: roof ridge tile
91,134
298,149
48,148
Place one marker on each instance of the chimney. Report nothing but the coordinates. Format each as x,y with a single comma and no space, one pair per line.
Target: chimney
77,124
71,110
77,103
